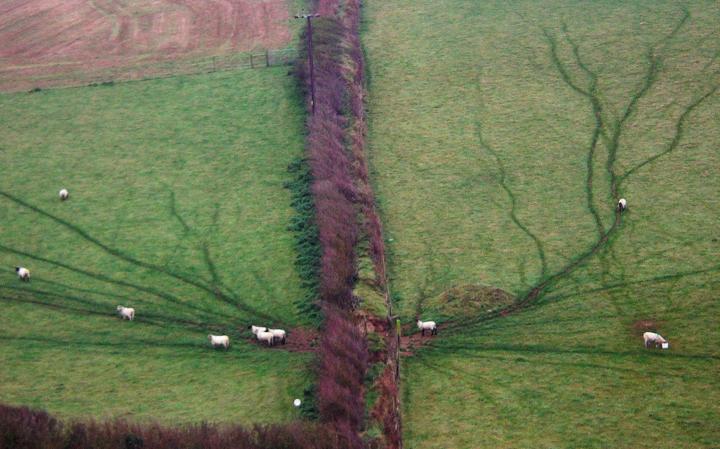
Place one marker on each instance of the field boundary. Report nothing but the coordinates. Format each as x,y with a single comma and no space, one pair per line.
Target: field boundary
79,74
25,428
349,229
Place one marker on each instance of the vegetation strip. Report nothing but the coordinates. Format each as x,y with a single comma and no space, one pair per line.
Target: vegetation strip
23,428
347,223
304,226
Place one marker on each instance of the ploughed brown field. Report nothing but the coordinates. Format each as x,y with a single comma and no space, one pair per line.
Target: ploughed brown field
45,42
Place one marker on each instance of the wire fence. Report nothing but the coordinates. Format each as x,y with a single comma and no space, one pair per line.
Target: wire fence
102,71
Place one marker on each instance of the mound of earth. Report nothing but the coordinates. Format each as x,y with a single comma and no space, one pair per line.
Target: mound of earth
470,300
641,326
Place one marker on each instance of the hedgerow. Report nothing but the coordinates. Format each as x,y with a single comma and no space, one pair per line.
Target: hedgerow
347,222
307,244
23,428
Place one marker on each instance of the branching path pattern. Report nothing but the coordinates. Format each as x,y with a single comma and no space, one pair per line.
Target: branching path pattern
76,299
611,135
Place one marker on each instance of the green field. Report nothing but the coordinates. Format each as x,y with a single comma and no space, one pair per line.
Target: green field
176,208
502,134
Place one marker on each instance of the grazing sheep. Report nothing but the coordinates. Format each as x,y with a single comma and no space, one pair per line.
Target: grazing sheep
266,336
256,329
622,205
651,338
64,194
279,334
219,341
126,313
23,273
427,325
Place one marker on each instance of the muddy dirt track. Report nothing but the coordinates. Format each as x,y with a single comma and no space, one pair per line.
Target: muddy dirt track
57,37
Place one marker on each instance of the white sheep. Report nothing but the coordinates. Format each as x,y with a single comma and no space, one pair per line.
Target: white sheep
23,273
279,334
256,329
63,194
622,205
651,338
266,336
126,313
427,325
219,341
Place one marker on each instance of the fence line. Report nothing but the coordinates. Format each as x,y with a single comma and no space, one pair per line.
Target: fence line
82,72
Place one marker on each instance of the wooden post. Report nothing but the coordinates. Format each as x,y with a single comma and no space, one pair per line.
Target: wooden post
398,330
308,17
310,57
214,64
251,62
267,58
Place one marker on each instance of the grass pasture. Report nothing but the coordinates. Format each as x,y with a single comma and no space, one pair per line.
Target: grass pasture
176,208
501,134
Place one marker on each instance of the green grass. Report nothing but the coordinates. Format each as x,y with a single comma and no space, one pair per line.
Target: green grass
176,208
498,133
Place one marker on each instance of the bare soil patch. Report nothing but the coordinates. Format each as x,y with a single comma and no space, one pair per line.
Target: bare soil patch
299,339
43,40
648,325
412,342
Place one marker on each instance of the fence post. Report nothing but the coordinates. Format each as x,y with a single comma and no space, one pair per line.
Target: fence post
214,64
251,62
398,329
267,58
